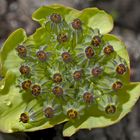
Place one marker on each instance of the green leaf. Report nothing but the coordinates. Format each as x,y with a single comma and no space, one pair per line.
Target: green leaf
128,97
39,38
9,59
96,18
42,14
118,46
13,103
121,50
92,17
11,108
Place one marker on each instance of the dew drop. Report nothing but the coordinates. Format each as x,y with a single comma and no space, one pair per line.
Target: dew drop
7,102
1,86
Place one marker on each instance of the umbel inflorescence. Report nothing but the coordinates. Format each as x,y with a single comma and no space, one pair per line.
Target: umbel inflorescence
75,69
69,70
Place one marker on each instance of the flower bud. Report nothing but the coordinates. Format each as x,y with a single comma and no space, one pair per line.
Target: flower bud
24,117
77,75
57,78
77,24
110,109
49,112
62,38
117,85
121,69
88,97
58,91
26,85
22,51
96,71
56,18
25,70
36,90
89,52
108,50
42,56
72,114
66,57
96,41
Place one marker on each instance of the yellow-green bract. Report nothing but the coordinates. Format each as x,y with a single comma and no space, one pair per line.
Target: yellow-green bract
70,70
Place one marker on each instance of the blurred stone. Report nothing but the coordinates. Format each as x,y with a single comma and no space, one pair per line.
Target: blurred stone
3,6
94,134
14,136
116,131
126,12
13,6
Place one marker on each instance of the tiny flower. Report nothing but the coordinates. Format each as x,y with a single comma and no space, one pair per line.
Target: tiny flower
24,117
77,24
96,71
25,70
110,109
89,52
56,18
57,78
88,97
51,107
49,112
22,51
109,85
73,110
66,57
108,50
32,113
58,91
96,41
77,75
72,113
62,91
36,90
62,38
26,85
117,85
108,104
87,94
117,65
121,69
84,55
41,55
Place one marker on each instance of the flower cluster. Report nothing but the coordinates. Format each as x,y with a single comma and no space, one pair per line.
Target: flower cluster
73,69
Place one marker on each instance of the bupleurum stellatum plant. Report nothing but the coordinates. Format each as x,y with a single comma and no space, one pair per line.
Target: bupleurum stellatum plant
70,70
